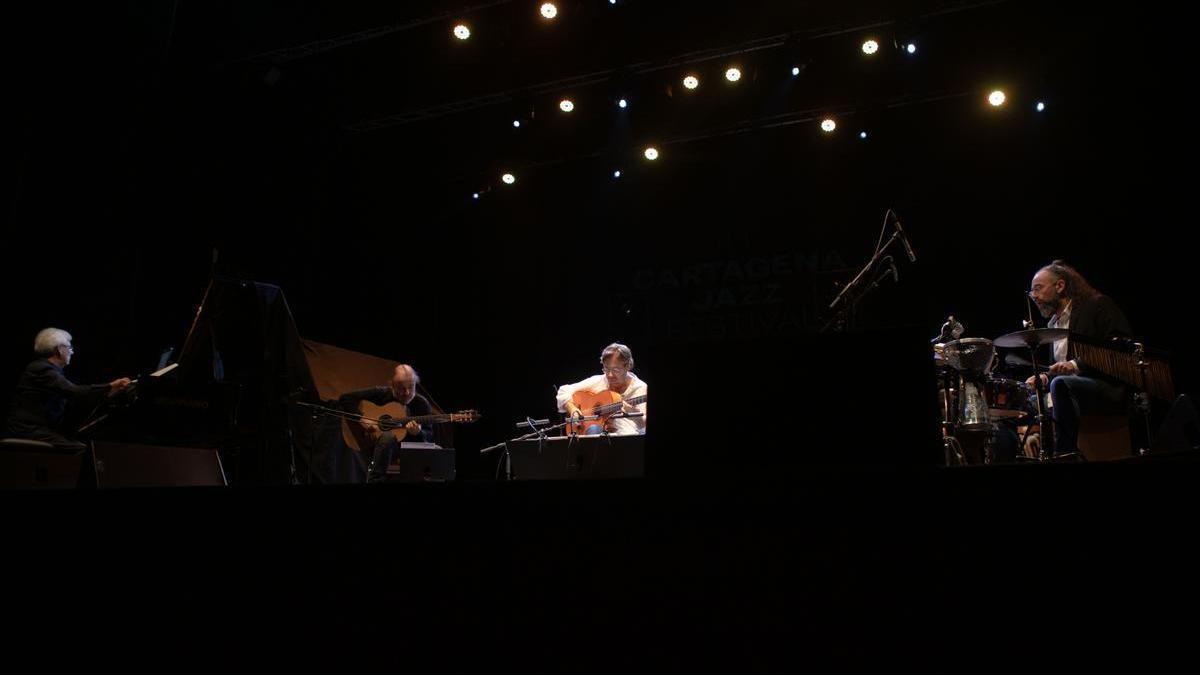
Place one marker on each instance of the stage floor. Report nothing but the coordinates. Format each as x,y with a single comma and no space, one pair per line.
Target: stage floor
912,561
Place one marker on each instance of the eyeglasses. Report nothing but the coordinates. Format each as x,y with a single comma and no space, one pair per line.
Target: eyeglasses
614,370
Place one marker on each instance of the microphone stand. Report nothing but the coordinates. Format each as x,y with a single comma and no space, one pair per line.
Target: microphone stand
845,302
1045,433
539,432
319,411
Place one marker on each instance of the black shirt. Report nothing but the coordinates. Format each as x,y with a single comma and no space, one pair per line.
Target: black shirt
42,395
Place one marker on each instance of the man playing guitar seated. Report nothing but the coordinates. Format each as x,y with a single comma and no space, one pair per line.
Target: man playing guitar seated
616,386
401,389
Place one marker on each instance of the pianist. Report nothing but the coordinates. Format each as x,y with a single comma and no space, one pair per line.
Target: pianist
1065,298
43,392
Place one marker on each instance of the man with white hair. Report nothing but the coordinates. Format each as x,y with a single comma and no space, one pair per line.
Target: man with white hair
616,365
43,392
401,389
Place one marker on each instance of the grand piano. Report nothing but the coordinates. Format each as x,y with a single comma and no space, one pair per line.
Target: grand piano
240,374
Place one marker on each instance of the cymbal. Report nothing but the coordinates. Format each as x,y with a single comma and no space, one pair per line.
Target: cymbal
1031,338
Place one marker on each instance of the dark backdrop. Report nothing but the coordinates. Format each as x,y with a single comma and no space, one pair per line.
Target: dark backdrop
147,136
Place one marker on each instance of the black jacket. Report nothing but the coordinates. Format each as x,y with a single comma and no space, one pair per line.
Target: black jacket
42,395
1098,320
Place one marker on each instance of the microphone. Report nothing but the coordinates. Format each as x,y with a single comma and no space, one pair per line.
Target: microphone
532,423
912,257
892,269
889,265
956,328
951,330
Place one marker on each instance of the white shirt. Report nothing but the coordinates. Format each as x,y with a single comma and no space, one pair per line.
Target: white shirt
1061,320
595,384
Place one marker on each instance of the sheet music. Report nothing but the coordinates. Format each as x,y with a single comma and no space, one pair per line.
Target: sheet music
164,371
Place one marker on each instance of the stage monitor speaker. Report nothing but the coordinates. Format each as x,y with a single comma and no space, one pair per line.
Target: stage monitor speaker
28,466
582,457
123,465
422,463
1180,431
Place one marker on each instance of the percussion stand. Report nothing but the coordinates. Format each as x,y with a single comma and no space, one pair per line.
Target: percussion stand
1046,434
950,445
1141,400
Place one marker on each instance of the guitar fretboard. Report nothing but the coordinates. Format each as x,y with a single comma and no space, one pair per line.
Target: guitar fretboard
613,407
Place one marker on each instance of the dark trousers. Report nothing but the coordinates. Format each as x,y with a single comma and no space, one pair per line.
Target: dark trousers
1074,396
44,434
385,448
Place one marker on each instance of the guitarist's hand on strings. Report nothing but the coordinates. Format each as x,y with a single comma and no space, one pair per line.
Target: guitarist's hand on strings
371,427
573,412
413,428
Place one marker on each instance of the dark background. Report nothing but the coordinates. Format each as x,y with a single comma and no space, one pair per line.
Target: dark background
145,136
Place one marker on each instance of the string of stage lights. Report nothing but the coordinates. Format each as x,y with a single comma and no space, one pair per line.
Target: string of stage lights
997,98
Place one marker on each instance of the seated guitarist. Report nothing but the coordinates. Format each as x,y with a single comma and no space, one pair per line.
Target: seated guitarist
401,389
617,375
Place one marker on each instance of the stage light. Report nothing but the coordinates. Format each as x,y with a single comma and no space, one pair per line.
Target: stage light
691,82
462,32
911,48
516,124
997,98
508,179
622,103
549,10
651,153
733,74
616,174
828,125
870,47
1040,106
475,196
566,105
795,71
862,135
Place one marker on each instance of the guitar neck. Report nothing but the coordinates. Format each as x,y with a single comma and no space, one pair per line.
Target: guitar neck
613,407
421,419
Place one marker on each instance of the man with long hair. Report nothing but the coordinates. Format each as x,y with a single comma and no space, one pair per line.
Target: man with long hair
1065,298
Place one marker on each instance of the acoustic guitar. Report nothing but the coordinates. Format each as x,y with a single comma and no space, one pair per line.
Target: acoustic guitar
392,417
603,404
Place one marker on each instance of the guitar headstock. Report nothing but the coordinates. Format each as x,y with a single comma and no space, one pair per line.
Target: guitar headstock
465,416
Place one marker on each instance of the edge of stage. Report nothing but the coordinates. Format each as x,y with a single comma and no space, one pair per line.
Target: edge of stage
902,559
